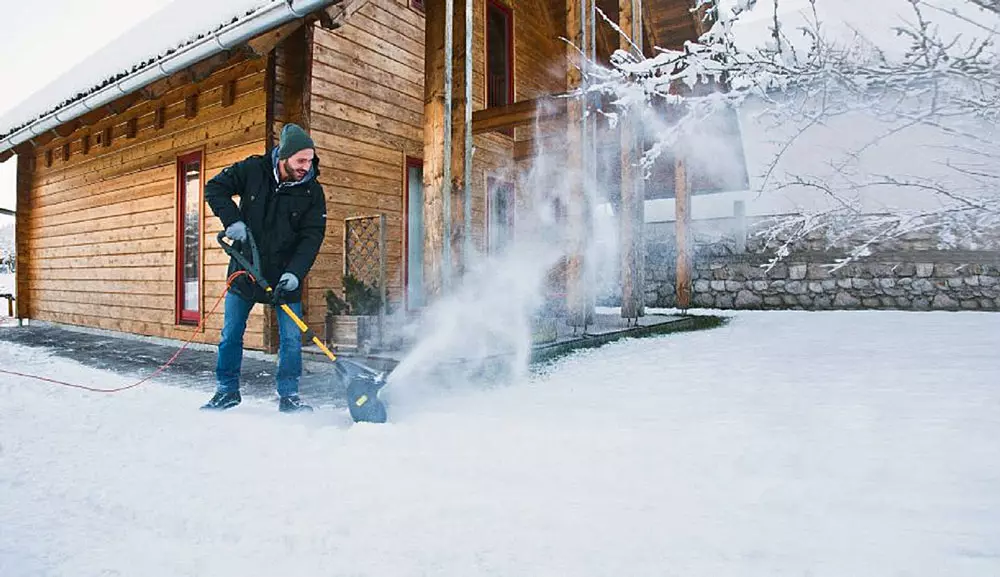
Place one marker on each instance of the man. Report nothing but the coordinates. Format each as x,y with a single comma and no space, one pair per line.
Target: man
283,206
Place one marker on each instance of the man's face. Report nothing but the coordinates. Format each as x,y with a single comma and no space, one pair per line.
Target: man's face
298,164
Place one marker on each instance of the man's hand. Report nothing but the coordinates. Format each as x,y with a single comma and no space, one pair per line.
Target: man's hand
237,232
286,284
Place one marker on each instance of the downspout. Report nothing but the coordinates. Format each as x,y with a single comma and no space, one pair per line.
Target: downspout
228,37
467,177
447,187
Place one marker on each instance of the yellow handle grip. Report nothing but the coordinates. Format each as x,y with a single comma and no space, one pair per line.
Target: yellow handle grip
305,329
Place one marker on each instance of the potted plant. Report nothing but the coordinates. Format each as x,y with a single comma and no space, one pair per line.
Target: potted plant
352,322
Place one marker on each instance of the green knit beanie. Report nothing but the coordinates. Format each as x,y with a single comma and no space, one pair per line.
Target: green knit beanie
293,139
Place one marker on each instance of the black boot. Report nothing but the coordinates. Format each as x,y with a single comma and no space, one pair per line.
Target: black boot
223,401
292,404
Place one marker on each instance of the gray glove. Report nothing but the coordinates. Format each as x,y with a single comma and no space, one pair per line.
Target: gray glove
286,284
238,232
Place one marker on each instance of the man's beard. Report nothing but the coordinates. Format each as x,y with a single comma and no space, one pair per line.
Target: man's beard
292,173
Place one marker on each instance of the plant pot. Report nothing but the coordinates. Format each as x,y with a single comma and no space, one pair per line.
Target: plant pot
353,333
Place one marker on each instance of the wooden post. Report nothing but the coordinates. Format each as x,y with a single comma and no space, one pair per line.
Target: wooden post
22,234
682,207
578,301
459,154
434,150
632,214
469,32
444,142
270,339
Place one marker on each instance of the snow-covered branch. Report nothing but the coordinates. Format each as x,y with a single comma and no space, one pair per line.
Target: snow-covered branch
916,84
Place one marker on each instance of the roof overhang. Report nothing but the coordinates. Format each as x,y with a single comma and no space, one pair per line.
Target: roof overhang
225,38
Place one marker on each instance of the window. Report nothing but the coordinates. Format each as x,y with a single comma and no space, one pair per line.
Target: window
500,215
499,55
414,237
189,238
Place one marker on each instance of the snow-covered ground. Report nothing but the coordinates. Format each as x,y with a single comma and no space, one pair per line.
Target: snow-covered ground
821,444
6,286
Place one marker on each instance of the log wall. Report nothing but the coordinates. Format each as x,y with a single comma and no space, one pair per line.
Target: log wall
97,233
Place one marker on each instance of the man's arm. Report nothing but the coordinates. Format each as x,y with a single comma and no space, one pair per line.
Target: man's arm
311,233
220,190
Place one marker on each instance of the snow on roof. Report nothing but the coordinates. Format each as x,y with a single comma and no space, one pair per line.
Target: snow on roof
178,24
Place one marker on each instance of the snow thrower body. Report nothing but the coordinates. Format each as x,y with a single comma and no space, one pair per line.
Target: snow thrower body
363,383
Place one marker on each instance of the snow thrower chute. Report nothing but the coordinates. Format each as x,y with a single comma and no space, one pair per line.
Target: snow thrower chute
363,383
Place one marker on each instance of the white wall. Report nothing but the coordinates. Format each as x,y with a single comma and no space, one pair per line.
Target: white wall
914,154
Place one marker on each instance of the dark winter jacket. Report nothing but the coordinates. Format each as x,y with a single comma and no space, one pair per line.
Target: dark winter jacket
287,219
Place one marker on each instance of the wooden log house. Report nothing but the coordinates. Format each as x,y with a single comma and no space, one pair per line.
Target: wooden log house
112,230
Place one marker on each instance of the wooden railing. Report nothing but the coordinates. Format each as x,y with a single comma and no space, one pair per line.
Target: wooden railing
522,113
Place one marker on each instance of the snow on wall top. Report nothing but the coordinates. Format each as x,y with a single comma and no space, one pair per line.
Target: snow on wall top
178,24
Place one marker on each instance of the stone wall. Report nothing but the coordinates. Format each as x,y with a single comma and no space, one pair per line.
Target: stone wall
908,273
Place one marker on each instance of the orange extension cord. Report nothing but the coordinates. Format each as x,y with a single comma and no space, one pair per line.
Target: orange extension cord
229,282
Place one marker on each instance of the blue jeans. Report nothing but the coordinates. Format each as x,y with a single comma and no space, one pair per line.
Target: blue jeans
227,368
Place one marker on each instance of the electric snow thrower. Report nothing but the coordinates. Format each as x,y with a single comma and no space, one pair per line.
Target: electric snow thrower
363,383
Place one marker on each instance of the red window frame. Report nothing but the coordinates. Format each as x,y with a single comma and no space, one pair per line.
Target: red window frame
509,15
185,316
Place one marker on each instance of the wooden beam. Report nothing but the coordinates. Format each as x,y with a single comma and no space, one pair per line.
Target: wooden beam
191,106
305,104
631,217
577,212
160,117
699,20
65,152
649,36
124,103
67,128
458,157
85,143
228,93
48,158
23,234
334,16
5,155
25,149
433,147
523,113
107,136
237,59
239,63
262,45
132,128
43,139
436,157
682,209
